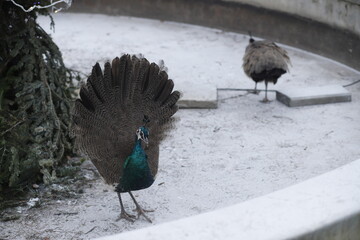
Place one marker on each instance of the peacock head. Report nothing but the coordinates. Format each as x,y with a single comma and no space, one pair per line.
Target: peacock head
143,134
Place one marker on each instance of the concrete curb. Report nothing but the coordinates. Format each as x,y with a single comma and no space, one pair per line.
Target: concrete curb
324,207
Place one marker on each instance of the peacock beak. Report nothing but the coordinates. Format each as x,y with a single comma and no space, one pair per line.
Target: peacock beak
146,140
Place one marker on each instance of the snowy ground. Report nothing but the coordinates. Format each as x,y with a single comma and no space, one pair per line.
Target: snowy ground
213,158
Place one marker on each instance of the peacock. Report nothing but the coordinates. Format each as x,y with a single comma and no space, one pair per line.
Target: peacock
119,121
265,61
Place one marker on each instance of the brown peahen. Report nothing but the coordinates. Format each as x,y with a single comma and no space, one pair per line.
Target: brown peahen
120,119
265,61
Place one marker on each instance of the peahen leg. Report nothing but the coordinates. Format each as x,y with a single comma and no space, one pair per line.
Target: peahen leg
123,213
139,209
255,91
266,100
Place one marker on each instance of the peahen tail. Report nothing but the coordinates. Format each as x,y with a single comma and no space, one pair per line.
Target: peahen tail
113,104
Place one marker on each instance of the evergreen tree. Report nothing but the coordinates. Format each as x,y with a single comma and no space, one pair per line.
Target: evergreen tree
36,90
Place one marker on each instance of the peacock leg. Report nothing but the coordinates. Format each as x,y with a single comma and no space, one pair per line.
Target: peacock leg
123,213
139,209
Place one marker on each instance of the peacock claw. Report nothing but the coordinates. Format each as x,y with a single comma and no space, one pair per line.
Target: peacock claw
126,216
142,212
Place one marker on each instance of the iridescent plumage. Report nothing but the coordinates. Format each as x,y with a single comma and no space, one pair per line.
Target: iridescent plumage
136,171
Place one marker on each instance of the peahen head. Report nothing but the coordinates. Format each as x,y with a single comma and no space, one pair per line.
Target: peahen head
142,133
251,40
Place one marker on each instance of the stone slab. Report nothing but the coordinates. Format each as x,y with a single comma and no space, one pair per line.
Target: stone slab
203,96
296,97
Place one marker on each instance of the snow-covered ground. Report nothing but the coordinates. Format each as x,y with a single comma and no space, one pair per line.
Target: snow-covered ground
214,157
196,57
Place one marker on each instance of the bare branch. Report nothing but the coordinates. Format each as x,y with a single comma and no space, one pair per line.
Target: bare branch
53,5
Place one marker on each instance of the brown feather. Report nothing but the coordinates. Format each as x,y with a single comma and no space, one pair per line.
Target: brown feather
265,56
112,107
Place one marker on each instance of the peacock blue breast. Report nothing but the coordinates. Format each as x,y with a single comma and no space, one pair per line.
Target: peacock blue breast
136,173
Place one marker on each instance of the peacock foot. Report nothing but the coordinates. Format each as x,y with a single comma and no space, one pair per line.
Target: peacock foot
139,210
142,212
126,216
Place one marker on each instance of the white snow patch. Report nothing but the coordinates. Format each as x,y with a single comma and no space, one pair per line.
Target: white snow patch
33,202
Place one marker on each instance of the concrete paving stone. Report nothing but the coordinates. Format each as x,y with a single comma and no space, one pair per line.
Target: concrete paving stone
296,97
204,96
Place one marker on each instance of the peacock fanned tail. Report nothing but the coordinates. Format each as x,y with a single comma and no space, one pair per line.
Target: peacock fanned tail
114,104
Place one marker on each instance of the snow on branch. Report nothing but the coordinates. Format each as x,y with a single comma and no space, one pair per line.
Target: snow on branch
52,5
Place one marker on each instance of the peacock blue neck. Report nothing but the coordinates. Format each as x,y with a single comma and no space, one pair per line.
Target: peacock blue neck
136,172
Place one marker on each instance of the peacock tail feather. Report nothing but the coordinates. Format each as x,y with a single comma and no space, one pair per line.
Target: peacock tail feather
113,105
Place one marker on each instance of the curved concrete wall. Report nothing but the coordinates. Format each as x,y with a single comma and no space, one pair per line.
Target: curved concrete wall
338,13
327,40
326,207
